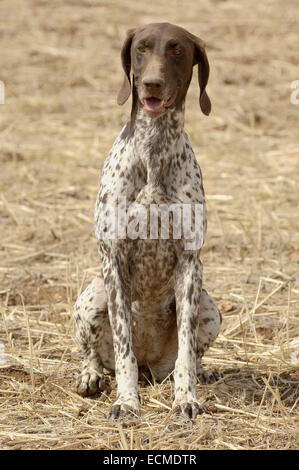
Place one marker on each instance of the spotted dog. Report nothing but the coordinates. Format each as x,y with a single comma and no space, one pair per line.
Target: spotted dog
147,312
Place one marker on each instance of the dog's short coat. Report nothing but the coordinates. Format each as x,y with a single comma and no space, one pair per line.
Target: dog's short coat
148,311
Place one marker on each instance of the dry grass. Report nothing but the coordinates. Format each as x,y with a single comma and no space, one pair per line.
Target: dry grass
60,64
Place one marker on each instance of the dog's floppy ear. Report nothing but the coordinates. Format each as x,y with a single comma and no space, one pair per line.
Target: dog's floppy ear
125,90
201,59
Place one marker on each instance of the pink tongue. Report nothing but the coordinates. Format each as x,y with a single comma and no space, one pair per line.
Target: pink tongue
153,104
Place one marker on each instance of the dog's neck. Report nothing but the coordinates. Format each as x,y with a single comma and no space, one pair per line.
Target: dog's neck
157,140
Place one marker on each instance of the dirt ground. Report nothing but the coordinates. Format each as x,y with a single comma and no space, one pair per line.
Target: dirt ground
60,65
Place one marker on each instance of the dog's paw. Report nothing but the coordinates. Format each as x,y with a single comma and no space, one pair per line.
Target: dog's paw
120,410
188,409
209,376
90,382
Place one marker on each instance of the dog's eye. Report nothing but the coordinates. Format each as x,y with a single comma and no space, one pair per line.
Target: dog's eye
175,49
143,47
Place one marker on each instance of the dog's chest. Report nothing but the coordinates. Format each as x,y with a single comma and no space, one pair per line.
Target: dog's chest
152,267
153,253
139,181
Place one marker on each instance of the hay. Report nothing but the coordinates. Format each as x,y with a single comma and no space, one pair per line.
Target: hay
61,69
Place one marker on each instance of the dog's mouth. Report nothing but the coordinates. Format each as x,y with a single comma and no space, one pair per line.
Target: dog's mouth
155,105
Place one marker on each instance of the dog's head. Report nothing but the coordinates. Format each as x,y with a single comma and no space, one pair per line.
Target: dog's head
161,57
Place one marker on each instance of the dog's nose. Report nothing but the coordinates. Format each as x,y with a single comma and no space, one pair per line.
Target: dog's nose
153,82
153,76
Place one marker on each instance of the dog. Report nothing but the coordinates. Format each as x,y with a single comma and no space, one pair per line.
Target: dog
147,312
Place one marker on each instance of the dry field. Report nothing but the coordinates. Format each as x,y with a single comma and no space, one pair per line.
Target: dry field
61,69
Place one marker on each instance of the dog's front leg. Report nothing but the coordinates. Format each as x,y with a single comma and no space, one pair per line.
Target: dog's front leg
187,294
117,284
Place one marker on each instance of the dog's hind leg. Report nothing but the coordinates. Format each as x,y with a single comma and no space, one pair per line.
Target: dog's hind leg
208,330
94,336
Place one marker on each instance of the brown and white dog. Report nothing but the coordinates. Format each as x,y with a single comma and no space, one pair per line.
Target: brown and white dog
148,311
